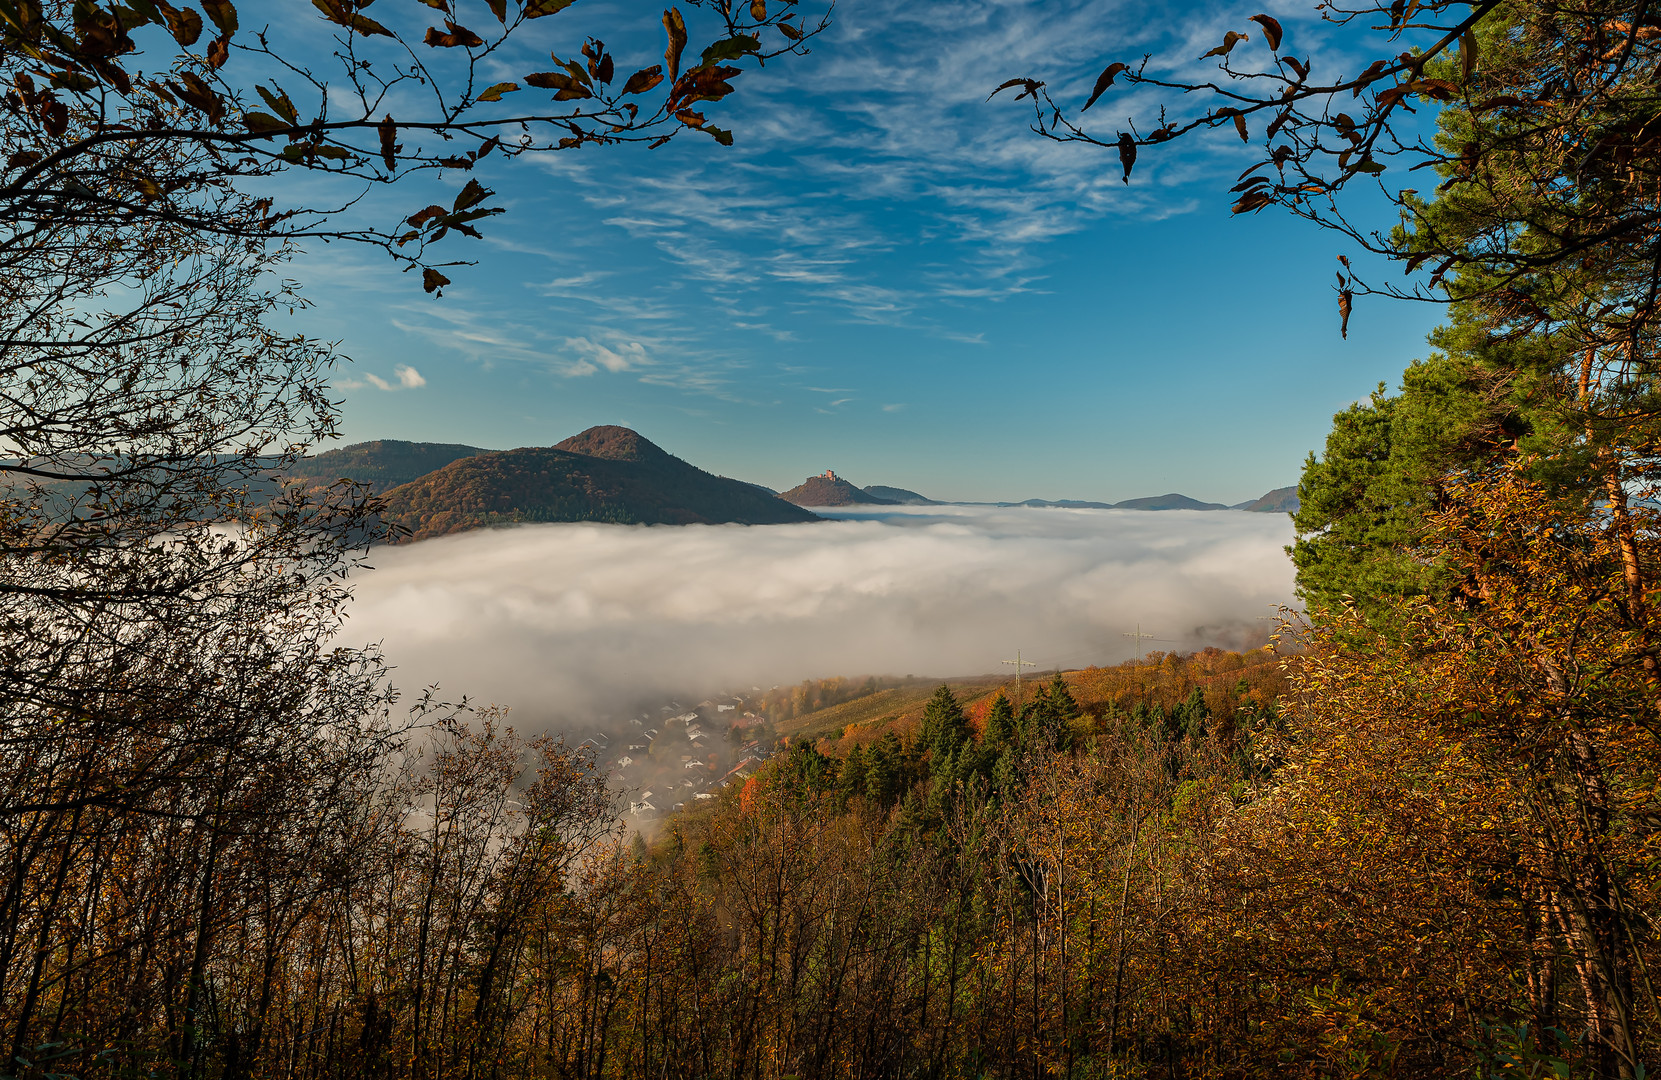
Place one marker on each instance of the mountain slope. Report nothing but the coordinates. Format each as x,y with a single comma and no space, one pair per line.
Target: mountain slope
1279,501
1172,501
829,489
625,480
382,464
898,495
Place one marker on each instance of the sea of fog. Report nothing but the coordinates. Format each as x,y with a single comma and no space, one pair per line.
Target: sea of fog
570,622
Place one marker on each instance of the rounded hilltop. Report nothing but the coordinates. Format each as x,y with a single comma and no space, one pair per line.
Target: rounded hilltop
829,489
605,474
614,443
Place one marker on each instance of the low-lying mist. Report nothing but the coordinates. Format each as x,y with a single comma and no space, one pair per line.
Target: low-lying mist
570,623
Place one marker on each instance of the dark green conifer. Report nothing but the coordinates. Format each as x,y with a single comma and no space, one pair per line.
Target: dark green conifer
1195,713
884,767
851,780
1000,722
945,727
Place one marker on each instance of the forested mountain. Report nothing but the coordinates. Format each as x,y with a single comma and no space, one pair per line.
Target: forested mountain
899,495
1279,501
607,474
1171,501
828,489
382,464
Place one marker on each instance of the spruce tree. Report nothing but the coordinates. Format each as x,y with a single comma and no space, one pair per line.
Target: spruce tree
851,780
884,770
945,727
1195,713
1000,722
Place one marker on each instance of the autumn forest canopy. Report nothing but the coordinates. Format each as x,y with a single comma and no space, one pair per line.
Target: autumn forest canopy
1417,836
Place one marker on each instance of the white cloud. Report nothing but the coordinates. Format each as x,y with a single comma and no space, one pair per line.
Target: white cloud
575,620
617,356
408,379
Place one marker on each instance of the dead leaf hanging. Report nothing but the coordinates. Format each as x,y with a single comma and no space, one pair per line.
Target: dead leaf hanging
1103,81
1271,30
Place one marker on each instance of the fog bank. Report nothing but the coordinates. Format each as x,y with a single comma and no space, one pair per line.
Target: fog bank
564,622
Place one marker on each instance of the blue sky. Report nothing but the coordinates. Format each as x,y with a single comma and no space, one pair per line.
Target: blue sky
887,276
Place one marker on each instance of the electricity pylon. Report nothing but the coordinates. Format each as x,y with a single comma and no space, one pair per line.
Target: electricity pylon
1019,664
1141,637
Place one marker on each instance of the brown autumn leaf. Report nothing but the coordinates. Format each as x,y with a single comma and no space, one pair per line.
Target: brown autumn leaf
263,123
1374,70
1127,154
389,149
1435,89
1030,88
54,116
1105,80
433,281
1467,52
675,27
535,9
471,195
758,10
218,52
1271,30
200,95
1240,126
495,93
690,118
1230,40
458,36
337,12
184,24
643,80
1345,300
499,8
280,103
223,15
703,84
421,217
788,30
566,87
